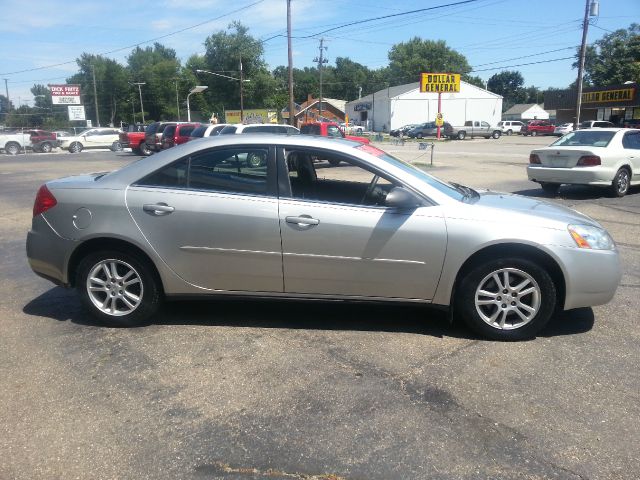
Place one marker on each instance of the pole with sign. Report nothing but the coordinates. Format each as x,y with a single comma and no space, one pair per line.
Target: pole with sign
439,82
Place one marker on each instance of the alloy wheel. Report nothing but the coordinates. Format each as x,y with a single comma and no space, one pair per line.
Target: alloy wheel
114,287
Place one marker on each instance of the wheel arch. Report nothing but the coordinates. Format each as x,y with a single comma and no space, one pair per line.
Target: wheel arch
526,252
109,243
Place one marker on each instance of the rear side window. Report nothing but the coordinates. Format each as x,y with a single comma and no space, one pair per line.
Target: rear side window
228,129
186,130
631,140
216,130
169,131
310,129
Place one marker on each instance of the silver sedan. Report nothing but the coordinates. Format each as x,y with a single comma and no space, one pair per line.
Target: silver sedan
207,218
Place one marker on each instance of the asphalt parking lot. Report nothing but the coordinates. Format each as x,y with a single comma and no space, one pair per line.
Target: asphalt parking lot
300,390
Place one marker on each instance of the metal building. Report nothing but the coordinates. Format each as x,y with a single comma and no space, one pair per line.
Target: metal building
394,107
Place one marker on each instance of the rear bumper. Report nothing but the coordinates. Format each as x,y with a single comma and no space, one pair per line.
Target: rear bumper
47,252
599,176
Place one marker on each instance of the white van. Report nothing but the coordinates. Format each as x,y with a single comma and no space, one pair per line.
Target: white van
509,127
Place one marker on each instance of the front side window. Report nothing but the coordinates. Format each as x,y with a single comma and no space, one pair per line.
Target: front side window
229,129
231,170
485,124
326,177
333,131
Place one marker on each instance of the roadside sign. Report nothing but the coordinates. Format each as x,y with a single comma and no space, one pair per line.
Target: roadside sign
440,82
76,112
439,120
65,94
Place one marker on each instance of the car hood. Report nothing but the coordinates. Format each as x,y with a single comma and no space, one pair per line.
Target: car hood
530,209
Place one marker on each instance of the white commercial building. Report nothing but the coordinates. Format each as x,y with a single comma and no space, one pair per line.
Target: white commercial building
526,111
394,107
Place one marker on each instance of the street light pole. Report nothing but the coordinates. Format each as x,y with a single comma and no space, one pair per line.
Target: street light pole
95,94
196,89
241,93
140,92
292,117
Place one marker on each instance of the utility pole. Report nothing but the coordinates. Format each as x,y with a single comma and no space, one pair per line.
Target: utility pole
95,94
139,84
177,99
292,117
320,59
241,92
6,88
590,8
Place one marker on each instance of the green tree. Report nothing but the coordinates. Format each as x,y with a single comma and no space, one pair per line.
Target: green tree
614,59
508,84
158,67
5,106
408,59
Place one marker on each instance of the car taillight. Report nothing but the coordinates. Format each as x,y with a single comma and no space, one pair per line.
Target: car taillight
534,159
589,161
44,201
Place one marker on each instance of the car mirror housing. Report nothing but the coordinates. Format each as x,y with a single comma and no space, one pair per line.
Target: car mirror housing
402,198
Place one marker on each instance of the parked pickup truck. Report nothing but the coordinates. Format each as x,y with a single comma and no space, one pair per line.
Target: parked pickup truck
328,129
474,128
538,127
133,138
12,143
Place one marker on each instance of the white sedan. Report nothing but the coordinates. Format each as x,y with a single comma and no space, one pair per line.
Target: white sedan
604,157
563,129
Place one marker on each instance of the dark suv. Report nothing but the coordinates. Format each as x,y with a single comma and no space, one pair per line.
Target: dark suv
153,135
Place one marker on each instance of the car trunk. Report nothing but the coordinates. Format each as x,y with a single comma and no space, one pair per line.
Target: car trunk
566,157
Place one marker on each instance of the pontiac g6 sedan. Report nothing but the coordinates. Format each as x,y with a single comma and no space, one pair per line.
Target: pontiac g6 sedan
205,219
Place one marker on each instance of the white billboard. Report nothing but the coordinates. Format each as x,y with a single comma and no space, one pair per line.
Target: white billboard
65,94
76,112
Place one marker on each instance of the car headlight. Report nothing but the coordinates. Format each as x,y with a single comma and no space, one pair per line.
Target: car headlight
588,236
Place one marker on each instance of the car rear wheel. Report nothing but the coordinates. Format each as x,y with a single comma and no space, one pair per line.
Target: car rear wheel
461,135
116,146
507,299
12,148
75,147
550,188
419,136
46,147
534,133
509,132
145,150
118,288
496,134
620,184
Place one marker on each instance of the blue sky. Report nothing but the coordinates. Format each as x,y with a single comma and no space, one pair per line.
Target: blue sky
490,33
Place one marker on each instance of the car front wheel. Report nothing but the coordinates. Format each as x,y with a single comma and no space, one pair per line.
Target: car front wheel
461,135
12,148
116,146
46,147
496,134
118,288
507,299
75,147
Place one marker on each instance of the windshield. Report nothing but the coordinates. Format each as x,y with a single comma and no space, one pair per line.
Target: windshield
585,138
443,187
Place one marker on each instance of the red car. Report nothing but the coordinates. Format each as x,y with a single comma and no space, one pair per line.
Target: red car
538,127
177,134
133,138
328,129
42,140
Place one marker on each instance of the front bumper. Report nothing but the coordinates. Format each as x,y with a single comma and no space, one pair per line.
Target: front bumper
577,176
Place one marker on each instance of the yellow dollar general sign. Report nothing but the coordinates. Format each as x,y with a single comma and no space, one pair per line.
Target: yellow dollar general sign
440,82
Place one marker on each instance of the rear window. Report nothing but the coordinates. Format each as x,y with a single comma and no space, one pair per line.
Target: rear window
198,132
162,127
216,130
310,129
152,128
169,131
228,129
585,138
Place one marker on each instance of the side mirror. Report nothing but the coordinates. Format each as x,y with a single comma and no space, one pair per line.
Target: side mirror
402,198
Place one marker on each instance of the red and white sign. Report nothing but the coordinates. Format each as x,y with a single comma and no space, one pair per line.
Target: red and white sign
65,94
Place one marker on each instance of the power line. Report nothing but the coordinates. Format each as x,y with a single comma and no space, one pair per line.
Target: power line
527,56
521,64
144,41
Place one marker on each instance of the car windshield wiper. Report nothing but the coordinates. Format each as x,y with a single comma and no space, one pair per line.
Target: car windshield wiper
468,192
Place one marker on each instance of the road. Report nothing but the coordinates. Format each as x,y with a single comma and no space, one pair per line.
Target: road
306,390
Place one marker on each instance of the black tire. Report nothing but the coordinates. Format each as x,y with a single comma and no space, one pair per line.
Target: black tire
496,134
509,132
75,147
147,289
534,133
116,146
461,135
620,184
144,149
12,148
550,188
419,136
46,147
334,162
543,297
136,151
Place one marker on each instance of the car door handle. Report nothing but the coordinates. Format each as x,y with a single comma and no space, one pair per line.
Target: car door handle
158,209
303,221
